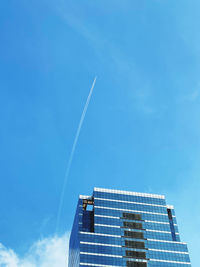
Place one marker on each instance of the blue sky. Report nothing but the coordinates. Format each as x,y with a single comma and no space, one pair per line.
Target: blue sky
141,131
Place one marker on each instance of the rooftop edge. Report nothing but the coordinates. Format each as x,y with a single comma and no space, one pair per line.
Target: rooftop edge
128,193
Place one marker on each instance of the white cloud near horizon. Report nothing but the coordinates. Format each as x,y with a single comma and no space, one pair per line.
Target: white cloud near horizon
47,252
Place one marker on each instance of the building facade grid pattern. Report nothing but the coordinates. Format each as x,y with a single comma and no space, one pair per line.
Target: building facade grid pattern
121,228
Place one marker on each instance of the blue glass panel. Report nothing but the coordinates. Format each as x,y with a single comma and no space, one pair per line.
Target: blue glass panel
167,264
149,237
130,206
106,195
171,246
145,216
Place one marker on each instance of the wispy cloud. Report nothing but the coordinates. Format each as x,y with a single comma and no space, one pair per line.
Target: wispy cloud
193,95
48,252
143,99
106,50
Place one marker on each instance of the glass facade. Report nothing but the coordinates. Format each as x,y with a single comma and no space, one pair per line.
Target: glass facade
121,228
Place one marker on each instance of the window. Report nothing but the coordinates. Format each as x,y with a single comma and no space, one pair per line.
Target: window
138,235
136,264
132,216
134,244
135,254
133,225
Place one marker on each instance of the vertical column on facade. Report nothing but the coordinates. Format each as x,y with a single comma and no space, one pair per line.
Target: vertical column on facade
134,239
171,223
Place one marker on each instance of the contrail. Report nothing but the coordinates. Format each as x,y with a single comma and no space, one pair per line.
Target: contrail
72,154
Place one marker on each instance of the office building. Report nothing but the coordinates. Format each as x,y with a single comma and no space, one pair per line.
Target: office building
121,228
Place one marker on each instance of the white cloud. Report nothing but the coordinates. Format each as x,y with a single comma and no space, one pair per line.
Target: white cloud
48,252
